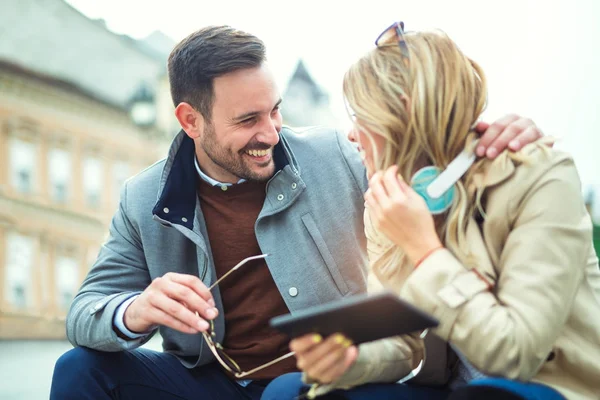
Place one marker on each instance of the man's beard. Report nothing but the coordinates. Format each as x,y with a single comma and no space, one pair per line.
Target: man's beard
234,163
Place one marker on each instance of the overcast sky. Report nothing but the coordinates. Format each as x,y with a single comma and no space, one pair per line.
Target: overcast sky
541,57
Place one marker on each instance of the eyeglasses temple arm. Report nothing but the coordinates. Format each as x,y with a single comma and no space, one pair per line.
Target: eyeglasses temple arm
283,357
244,261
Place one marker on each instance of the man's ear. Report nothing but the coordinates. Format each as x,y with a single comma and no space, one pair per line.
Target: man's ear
191,121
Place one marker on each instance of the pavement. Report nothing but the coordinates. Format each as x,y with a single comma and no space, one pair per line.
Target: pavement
26,366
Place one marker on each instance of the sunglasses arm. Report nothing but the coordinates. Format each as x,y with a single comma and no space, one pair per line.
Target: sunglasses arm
241,375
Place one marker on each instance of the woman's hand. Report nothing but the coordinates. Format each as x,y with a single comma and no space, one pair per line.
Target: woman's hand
401,214
324,360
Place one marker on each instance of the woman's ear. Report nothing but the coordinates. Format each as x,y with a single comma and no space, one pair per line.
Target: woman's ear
191,121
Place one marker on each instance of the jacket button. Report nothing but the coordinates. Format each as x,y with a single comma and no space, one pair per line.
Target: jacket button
294,186
279,197
293,291
166,210
184,219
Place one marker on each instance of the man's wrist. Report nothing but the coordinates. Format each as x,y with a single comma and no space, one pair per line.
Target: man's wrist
119,322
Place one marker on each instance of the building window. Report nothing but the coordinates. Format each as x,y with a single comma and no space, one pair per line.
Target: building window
45,276
22,165
67,280
19,298
92,181
92,256
60,171
120,174
19,264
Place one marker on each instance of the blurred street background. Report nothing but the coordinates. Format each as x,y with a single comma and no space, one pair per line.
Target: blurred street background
26,366
85,104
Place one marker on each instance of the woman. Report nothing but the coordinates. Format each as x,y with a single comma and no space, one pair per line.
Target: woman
500,252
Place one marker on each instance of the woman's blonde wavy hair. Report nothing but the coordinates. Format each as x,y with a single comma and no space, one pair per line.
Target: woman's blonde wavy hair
424,107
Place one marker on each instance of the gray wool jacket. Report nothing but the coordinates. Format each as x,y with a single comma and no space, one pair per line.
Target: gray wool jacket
311,224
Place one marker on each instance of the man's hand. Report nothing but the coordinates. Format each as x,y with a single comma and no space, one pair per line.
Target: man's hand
172,300
511,131
324,360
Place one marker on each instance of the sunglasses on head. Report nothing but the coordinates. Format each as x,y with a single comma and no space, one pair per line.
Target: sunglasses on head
394,32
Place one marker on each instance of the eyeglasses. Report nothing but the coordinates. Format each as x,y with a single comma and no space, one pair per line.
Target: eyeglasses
394,32
227,362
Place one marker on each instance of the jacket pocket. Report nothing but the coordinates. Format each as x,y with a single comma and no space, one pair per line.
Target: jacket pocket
334,271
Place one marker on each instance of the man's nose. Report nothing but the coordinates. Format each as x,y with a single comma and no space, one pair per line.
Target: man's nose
270,132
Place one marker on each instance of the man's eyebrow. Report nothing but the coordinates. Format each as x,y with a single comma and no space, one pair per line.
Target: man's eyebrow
252,113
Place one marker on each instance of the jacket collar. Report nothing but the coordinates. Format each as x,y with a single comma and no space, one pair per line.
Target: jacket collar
494,172
177,193
503,166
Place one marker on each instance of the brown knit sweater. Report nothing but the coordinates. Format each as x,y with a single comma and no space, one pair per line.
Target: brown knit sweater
250,296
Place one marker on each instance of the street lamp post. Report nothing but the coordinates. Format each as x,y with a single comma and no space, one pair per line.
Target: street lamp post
142,107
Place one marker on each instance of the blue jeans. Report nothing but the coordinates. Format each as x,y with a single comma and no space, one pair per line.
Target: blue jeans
82,373
290,386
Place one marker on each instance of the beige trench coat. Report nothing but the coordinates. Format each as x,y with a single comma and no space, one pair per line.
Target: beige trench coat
539,322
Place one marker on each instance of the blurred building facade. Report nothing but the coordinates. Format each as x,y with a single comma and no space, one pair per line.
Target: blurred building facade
305,103
81,110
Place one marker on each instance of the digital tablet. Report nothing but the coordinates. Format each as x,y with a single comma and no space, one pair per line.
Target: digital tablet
361,318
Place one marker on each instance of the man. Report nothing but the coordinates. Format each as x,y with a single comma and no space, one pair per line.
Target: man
235,184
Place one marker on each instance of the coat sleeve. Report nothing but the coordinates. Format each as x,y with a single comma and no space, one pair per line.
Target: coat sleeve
119,272
509,329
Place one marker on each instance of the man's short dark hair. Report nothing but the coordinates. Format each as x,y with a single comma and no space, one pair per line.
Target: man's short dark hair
207,54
